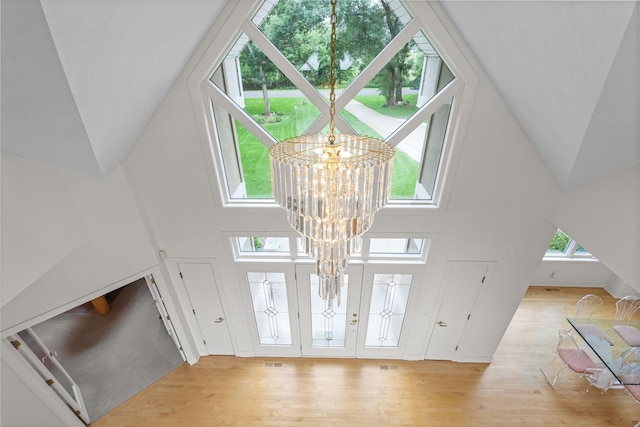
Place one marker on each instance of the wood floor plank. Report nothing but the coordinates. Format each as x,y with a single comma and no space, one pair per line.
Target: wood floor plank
230,391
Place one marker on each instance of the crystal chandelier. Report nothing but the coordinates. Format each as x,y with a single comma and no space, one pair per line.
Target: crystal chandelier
331,186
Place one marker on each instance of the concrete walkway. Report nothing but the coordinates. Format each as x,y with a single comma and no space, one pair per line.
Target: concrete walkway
412,145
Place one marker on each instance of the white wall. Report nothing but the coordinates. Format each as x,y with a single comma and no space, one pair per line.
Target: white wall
496,210
25,399
20,406
573,272
76,234
40,224
603,217
92,234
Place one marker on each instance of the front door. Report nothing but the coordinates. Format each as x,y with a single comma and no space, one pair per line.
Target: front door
290,319
328,329
370,320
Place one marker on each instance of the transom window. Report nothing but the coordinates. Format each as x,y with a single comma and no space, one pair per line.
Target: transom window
273,84
405,248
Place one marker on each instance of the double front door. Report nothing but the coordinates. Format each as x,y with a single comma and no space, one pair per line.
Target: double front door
289,318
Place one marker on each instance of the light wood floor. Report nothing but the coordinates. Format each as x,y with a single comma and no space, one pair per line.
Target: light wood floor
229,391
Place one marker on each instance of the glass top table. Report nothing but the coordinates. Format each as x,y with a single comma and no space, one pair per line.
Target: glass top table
613,351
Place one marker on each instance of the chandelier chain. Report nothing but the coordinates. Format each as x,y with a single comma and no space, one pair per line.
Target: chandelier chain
332,74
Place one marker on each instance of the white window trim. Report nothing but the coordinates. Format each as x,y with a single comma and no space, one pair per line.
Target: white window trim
217,44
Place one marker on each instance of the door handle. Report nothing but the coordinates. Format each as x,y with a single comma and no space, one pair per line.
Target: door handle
355,319
219,320
442,324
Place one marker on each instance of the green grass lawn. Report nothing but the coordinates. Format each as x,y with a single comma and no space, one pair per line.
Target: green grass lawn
295,115
377,103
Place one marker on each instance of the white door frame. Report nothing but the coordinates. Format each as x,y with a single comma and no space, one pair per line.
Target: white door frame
179,320
170,298
161,306
31,378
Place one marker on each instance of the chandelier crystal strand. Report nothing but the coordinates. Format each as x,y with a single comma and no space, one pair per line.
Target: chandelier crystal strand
331,186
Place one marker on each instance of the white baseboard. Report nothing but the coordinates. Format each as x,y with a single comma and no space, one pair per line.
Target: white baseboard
473,359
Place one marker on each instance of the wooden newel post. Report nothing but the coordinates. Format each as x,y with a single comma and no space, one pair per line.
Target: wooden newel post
101,305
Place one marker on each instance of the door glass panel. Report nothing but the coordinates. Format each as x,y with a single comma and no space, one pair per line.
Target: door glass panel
328,321
270,307
389,297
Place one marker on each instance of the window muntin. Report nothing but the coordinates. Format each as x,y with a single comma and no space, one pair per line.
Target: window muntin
434,77
304,45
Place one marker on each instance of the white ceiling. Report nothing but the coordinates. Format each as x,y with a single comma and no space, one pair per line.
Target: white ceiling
81,79
569,72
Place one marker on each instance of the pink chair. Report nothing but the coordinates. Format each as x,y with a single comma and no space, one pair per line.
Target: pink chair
572,356
586,306
584,309
625,308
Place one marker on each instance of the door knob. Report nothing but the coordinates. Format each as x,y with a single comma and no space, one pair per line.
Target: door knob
353,322
219,320
441,323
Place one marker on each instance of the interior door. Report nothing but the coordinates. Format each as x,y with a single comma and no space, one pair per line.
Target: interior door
45,362
462,281
328,329
202,290
164,315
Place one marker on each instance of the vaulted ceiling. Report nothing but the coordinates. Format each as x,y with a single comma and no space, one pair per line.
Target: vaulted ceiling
569,72
81,79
